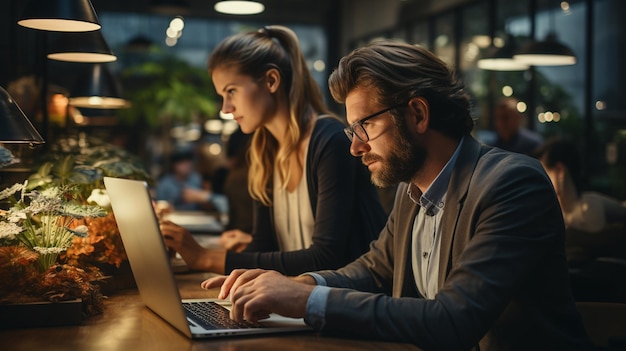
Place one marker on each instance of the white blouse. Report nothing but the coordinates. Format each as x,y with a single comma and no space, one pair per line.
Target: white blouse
293,216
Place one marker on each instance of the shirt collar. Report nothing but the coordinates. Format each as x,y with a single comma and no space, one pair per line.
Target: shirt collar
433,199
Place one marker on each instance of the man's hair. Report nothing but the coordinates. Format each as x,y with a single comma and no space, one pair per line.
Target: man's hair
398,72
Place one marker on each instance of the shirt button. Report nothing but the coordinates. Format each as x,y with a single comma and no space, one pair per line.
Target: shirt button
425,255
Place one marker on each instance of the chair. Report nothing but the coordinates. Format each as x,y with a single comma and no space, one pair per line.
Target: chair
605,323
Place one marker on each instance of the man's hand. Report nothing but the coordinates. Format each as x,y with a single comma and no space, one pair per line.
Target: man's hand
195,196
257,293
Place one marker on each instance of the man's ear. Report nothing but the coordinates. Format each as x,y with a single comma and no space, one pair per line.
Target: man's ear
420,114
272,79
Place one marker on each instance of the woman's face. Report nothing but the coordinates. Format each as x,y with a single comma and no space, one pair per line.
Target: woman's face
553,174
249,100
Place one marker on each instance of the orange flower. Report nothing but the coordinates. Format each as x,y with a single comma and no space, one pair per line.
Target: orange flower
103,245
16,256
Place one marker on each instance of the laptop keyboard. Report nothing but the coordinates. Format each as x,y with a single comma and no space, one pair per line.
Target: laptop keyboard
212,316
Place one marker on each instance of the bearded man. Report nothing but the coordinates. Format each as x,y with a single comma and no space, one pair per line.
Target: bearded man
472,255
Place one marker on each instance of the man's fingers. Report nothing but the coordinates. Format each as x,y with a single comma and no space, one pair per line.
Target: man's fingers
213,282
238,306
228,283
255,309
244,277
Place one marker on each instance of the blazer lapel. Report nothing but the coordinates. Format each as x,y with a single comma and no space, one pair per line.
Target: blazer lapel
404,281
457,191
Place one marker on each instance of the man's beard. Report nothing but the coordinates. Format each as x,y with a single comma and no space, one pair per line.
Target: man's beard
405,159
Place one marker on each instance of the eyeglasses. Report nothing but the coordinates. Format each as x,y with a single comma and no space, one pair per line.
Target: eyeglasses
357,128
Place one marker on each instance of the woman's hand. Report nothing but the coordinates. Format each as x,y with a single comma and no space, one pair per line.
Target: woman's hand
197,257
235,240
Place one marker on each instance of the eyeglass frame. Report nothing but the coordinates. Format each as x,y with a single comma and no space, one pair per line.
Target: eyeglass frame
351,132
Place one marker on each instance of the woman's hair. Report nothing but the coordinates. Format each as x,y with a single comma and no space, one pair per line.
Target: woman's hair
254,53
398,72
561,150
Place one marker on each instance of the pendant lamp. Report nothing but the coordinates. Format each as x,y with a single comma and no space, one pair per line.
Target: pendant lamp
98,90
87,47
60,16
16,127
232,7
169,7
139,44
549,52
501,58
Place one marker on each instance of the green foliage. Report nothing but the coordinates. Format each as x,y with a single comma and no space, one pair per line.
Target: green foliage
169,90
85,166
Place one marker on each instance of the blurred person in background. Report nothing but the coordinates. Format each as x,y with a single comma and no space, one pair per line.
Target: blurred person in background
511,134
586,211
181,177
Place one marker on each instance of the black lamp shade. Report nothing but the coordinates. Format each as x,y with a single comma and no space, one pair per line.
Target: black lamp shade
169,7
60,16
81,47
549,52
501,59
15,128
98,90
139,44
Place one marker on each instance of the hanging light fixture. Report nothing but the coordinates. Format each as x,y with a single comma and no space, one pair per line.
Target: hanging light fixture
16,127
549,52
98,90
501,58
60,16
87,47
233,7
169,7
139,44
57,16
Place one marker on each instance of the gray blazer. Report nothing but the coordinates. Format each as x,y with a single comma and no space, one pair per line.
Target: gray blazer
503,279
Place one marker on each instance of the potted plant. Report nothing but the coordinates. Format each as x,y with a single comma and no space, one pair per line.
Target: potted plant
59,242
85,166
34,231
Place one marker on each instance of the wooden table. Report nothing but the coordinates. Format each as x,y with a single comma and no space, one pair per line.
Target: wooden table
127,324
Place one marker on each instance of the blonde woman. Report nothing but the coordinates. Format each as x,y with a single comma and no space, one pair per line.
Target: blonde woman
315,206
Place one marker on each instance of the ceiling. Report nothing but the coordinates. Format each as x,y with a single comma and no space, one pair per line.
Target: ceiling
276,11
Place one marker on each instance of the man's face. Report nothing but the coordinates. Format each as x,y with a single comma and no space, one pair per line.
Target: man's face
392,153
506,122
183,168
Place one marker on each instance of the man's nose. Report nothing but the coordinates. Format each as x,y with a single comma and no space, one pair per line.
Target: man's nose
358,148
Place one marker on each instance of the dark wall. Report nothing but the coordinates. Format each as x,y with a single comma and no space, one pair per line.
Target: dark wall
19,46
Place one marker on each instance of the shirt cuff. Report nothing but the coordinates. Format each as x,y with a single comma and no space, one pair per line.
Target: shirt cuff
319,280
316,307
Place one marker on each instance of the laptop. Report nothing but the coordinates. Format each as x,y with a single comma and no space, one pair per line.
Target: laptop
150,263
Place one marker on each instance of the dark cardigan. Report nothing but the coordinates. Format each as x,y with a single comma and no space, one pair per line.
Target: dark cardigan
346,208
